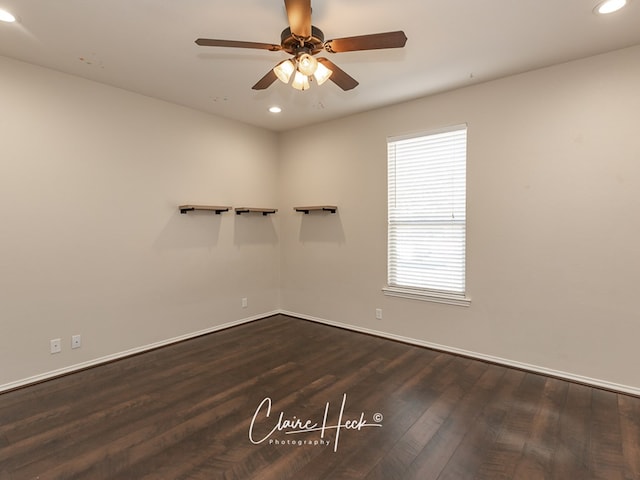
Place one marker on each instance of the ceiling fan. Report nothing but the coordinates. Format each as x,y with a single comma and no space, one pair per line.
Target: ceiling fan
303,41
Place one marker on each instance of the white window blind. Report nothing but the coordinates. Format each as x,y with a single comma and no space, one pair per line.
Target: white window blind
427,214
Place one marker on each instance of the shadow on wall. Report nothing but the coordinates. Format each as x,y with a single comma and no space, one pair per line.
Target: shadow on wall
322,227
194,229
254,229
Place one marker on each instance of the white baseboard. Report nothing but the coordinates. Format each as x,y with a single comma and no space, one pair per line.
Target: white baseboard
412,341
127,353
480,356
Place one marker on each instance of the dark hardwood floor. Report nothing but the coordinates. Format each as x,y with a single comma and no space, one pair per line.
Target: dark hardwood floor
197,410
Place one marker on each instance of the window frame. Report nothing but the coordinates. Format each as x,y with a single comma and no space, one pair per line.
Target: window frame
420,293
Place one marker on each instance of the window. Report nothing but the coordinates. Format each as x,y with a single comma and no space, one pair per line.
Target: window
427,216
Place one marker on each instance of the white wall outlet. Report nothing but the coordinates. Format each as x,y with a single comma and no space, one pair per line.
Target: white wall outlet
379,313
55,345
245,302
76,341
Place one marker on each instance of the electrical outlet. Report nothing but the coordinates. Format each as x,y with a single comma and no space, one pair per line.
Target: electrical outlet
76,341
379,313
55,345
245,302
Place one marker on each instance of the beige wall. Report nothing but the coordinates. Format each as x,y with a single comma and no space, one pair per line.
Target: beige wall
91,240
553,220
92,243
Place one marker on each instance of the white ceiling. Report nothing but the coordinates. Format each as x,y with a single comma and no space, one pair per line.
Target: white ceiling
147,46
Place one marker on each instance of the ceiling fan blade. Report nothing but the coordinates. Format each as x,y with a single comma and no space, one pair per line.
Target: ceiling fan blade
209,42
299,14
266,81
374,41
339,76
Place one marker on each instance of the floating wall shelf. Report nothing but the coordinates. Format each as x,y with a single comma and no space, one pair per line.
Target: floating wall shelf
263,211
213,208
316,208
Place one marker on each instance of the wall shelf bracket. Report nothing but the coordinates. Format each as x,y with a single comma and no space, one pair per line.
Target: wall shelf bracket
213,208
263,211
316,208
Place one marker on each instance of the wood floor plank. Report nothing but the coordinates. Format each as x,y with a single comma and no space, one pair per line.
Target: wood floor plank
629,409
606,457
574,435
483,432
538,452
437,453
400,413
185,411
503,456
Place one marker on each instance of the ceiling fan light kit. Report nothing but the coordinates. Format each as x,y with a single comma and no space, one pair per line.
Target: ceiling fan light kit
303,41
305,68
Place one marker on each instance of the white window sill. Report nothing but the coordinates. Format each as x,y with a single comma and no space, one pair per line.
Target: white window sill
427,295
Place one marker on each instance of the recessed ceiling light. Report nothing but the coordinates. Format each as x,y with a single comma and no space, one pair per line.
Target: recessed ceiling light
6,17
609,6
275,109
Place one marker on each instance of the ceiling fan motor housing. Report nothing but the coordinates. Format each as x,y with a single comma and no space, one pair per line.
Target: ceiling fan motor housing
295,45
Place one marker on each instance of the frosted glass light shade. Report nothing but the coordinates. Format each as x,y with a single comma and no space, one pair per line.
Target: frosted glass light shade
322,74
307,64
300,81
284,70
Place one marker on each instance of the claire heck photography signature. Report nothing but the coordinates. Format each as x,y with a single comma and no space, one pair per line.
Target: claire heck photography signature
262,421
